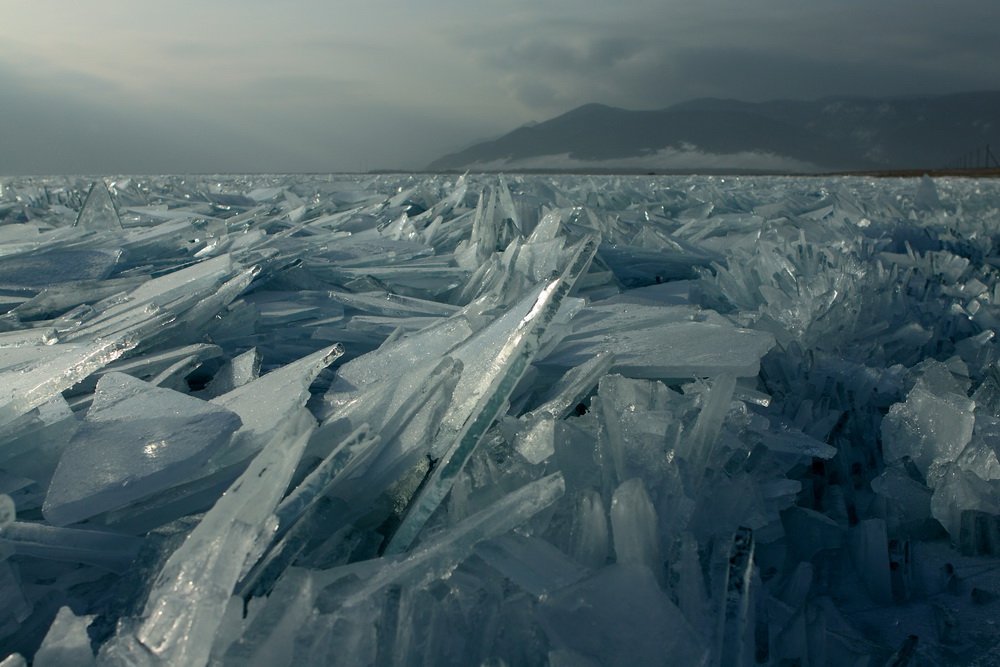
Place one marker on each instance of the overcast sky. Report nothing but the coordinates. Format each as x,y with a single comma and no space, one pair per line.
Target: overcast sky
133,86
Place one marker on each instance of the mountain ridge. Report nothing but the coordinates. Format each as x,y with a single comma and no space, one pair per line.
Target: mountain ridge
828,134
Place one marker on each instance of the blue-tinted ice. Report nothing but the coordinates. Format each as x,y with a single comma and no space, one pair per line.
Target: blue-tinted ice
484,420
137,439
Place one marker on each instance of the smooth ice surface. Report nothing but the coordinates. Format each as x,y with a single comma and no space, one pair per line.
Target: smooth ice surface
136,440
99,211
67,643
500,421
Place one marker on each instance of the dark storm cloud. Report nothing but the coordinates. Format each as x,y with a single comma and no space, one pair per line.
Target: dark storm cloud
315,86
752,51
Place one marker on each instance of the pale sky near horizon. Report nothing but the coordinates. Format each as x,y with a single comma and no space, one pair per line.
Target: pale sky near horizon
128,86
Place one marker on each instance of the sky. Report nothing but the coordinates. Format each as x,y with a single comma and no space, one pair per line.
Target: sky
133,86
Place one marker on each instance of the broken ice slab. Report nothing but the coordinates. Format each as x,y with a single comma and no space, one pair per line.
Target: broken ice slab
734,635
266,402
979,534
14,660
405,412
58,266
635,529
187,598
61,367
494,360
620,617
391,305
439,555
663,342
99,212
531,563
136,440
195,279
566,394
537,441
152,364
589,532
958,491
106,550
57,299
236,372
7,511
634,266
348,590
931,427
409,352
298,513
870,553
908,502
318,481
698,445
67,643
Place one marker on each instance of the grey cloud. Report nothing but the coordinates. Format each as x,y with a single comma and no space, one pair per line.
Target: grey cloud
568,53
781,48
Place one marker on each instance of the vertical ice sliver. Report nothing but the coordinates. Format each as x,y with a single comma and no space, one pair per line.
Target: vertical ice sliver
482,392
99,212
188,597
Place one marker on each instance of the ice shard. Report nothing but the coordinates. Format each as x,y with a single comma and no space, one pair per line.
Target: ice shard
510,346
626,617
185,604
59,368
578,420
99,212
67,643
266,402
136,440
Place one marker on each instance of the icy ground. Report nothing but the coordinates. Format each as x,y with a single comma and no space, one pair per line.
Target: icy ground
482,421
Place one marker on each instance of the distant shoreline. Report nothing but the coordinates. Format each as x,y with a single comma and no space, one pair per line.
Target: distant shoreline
883,173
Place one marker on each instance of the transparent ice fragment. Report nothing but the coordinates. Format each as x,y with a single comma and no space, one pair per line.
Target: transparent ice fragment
99,212
930,427
236,372
537,442
8,512
574,385
957,491
491,370
106,550
620,617
590,531
57,299
14,660
870,553
58,266
735,638
265,403
653,342
531,563
927,198
431,560
137,440
697,446
186,602
60,368
67,643
634,525
908,501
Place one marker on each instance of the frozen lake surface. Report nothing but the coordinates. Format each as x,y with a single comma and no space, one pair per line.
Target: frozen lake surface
485,420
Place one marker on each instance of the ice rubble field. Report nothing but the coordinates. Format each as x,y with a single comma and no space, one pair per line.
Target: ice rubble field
484,421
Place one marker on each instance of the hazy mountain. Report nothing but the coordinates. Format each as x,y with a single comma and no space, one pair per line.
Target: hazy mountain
785,135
